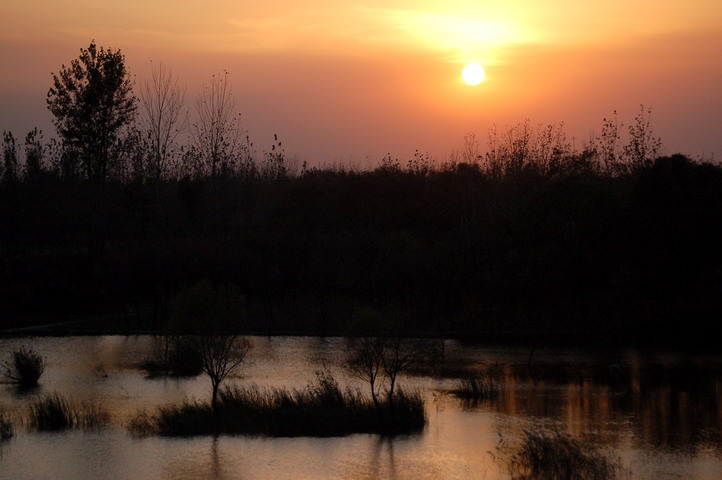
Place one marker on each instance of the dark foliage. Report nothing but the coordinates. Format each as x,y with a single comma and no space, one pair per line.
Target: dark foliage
620,258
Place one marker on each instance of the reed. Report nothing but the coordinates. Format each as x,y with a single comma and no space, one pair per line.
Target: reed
479,387
54,412
321,409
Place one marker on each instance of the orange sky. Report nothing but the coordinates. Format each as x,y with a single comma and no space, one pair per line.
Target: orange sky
352,81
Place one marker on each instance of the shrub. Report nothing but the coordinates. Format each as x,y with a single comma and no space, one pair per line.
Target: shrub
54,412
25,368
556,456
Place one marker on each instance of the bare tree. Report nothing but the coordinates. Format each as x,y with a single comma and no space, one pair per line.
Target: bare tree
212,314
364,360
379,359
162,118
399,355
218,139
221,356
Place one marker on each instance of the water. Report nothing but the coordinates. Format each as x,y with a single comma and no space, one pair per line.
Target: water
660,414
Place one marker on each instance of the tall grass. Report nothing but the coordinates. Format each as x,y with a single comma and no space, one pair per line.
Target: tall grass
6,428
321,409
556,456
25,367
53,412
479,387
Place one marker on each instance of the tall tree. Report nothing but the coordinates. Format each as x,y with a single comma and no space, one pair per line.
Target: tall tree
92,102
162,118
221,144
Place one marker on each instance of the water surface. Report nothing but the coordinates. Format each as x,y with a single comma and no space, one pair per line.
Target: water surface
659,413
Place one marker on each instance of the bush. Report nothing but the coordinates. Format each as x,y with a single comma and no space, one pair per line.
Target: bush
25,368
556,456
321,409
54,412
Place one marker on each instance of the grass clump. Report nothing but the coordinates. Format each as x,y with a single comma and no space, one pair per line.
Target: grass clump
6,428
479,387
25,367
53,412
321,409
557,456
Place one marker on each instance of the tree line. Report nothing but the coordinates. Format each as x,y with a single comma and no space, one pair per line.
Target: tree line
529,237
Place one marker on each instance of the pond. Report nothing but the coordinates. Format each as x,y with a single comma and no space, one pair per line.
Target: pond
659,414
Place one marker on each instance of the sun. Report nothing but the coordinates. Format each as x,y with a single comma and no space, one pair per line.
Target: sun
473,74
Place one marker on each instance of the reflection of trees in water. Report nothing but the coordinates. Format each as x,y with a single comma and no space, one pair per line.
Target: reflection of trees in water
383,463
676,406
216,469
208,464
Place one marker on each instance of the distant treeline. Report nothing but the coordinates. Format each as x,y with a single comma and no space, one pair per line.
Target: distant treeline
534,237
514,243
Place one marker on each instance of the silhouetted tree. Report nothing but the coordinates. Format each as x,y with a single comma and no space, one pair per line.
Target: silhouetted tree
92,102
213,316
220,144
162,118
364,360
380,354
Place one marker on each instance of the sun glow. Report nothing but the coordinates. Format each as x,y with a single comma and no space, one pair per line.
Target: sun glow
473,74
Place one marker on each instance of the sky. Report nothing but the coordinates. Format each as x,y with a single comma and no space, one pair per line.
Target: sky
349,82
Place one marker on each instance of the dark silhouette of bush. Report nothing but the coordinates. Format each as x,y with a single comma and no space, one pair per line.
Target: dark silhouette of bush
25,367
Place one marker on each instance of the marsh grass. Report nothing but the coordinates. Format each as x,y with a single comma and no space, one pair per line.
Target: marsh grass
478,387
557,456
321,409
25,367
54,412
6,427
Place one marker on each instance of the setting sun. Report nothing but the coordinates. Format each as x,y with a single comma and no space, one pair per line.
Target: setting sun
473,74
